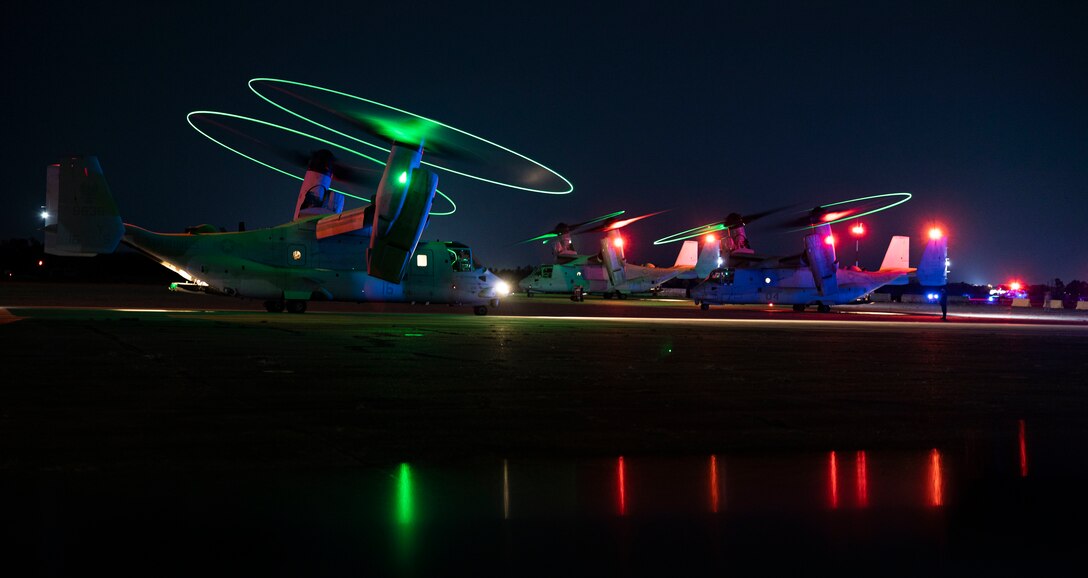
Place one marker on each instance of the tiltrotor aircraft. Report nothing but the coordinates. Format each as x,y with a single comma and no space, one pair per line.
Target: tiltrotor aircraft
607,273
370,253
812,278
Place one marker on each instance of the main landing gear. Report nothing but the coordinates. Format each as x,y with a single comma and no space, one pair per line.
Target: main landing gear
821,307
291,305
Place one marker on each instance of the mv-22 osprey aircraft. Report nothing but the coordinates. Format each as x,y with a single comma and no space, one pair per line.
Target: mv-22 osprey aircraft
812,278
370,253
607,273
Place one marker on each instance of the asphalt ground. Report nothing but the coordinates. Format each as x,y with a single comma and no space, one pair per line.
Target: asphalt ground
149,432
104,377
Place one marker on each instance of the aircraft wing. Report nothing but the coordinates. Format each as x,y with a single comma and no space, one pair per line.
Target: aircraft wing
345,222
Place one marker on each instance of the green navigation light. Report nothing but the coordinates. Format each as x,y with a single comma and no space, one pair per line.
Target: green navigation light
403,178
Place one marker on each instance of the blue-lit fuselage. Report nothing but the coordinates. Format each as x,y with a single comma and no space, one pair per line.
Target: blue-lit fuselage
787,286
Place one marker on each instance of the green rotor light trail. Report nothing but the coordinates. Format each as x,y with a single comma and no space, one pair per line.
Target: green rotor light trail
903,197
414,133
836,217
690,233
403,177
552,234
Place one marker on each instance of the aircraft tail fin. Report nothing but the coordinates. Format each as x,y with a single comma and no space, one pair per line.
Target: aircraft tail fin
897,257
688,255
933,268
709,257
82,218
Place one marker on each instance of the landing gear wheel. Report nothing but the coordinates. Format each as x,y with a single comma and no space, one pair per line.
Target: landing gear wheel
704,306
799,308
823,308
274,306
296,306
480,310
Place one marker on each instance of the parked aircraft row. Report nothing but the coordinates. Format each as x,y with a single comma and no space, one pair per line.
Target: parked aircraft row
374,252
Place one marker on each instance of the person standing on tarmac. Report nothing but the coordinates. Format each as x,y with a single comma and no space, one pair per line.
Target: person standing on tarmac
944,304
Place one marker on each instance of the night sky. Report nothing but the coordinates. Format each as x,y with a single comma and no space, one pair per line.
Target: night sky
702,109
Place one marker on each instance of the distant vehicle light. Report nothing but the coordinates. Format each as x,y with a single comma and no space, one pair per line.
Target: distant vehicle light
830,240
1015,286
45,215
40,262
767,280
935,233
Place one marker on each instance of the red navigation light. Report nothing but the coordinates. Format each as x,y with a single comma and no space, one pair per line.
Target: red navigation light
618,242
710,238
935,233
830,239
1015,285
40,262
858,230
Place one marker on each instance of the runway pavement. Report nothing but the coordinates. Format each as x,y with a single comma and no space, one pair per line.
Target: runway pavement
359,384
123,391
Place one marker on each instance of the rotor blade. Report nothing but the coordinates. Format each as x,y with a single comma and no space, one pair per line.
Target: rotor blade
565,229
613,224
411,132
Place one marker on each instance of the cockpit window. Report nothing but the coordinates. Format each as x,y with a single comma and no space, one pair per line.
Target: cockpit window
722,276
546,272
461,259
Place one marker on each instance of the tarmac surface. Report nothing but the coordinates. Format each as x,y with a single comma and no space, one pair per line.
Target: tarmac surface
111,386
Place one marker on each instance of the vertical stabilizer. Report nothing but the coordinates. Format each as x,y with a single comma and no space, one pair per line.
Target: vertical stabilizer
82,217
897,257
688,255
933,269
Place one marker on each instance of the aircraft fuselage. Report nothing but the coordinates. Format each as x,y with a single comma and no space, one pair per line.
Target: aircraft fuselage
290,262
787,286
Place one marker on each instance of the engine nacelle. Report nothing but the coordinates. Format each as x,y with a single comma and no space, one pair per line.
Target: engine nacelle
613,258
315,196
398,224
820,255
